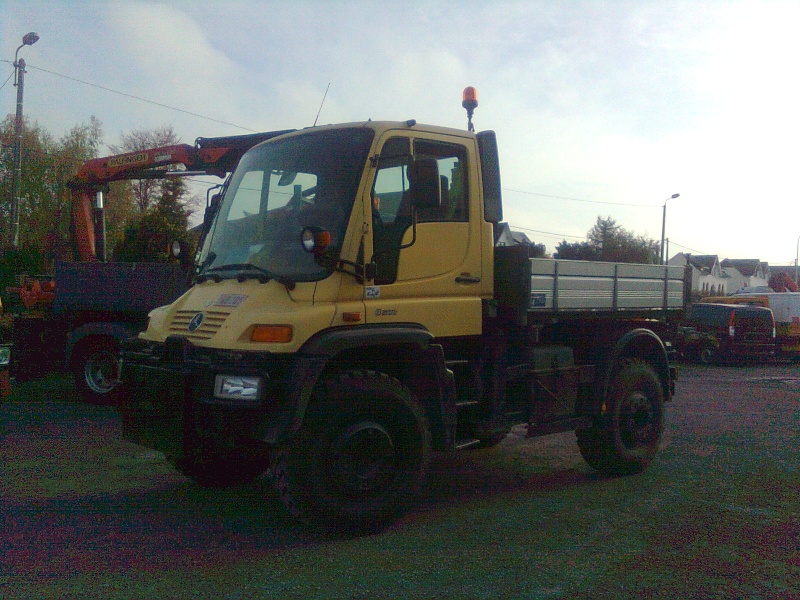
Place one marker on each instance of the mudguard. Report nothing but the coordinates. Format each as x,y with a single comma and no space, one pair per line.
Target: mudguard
116,330
637,343
323,348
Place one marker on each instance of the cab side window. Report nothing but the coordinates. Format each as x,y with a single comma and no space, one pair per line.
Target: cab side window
391,206
452,160
391,211
390,190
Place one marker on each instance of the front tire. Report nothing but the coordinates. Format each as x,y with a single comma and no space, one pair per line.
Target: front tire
625,437
96,371
360,456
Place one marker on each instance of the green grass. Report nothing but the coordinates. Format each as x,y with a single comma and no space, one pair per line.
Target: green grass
717,515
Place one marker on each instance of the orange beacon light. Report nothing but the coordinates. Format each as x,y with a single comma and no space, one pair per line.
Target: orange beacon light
470,102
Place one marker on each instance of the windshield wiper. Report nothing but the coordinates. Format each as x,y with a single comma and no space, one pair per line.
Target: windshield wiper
201,277
256,272
212,256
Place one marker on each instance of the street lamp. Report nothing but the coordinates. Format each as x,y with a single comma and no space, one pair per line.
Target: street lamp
664,225
796,256
29,39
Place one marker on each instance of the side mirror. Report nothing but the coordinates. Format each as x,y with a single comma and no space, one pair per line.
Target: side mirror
426,186
211,211
181,250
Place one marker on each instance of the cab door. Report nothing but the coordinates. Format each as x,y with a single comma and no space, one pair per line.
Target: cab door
428,260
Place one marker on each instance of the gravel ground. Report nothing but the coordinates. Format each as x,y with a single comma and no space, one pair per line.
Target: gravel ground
85,514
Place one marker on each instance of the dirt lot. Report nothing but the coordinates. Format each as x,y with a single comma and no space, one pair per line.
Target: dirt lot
85,514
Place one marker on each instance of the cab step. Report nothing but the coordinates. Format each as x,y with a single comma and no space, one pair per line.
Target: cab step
466,404
467,443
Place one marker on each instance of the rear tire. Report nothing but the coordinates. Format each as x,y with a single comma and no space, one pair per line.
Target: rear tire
625,437
360,456
707,355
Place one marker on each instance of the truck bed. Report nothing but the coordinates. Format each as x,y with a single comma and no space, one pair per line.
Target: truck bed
575,285
117,287
547,287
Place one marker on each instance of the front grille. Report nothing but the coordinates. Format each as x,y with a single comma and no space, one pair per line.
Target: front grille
212,322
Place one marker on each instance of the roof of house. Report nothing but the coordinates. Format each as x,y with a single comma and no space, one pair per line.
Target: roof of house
703,262
506,237
746,266
521,238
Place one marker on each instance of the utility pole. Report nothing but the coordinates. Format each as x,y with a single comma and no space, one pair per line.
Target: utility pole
663,228
19,80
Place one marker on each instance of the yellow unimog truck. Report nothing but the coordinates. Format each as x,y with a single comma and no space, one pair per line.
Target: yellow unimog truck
353,310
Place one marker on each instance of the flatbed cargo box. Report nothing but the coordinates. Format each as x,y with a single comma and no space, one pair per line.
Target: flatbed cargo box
118,287
574,285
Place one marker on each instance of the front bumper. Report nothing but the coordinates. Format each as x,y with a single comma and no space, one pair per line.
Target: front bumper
171,402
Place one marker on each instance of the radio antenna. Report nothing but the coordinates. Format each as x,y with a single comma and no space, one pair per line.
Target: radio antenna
325,95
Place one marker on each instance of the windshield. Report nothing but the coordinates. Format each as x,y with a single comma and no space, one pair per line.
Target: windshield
279,188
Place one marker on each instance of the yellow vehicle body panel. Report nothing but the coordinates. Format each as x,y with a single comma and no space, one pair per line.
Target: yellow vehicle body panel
443,276
232,310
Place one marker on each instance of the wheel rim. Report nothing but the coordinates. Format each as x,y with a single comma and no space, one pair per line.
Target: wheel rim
636,421
100,375
363,461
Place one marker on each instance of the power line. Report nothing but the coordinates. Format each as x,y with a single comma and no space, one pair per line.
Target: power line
7,80
561,235
579,199
686,248
194,114
113,91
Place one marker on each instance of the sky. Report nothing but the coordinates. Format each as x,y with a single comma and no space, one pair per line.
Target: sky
601,108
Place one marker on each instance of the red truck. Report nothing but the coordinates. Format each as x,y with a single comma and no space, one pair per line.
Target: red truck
75,318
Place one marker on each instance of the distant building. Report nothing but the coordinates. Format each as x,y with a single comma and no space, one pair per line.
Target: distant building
746,273
710,277
506,237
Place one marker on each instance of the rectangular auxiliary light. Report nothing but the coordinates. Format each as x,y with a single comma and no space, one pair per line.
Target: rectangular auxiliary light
245,389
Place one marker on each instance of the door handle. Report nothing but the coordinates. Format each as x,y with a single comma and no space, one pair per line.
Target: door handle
467,279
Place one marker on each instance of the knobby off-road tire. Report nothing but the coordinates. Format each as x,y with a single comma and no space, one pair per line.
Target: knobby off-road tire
707,355
360,456
626,436
96,371
211,465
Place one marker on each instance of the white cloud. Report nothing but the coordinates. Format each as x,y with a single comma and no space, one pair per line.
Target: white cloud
624,101
169,58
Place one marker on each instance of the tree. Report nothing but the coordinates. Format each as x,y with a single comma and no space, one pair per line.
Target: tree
782,282
38,156
80,144
608,241
162,204
146,191
149,238
47,167
577,251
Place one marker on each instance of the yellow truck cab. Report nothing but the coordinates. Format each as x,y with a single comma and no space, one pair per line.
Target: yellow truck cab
351,312
271,204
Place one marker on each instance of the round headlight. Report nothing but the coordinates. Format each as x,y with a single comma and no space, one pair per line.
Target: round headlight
308,239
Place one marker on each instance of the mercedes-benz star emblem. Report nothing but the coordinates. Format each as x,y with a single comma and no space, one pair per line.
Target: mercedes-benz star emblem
196,321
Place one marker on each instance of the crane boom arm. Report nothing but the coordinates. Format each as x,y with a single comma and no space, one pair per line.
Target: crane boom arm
211,156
